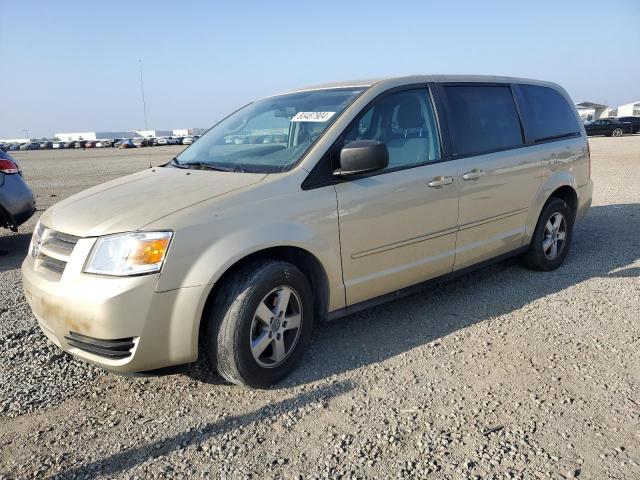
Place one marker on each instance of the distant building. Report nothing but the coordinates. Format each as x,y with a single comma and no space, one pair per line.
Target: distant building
591,111
629,109
155,133
72,136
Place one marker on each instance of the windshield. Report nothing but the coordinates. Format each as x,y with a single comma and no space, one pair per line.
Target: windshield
270,135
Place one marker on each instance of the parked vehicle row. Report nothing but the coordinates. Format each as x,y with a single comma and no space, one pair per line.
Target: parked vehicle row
251,138
104,143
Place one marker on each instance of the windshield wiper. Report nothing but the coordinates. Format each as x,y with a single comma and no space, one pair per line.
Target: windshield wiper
206,166
174,163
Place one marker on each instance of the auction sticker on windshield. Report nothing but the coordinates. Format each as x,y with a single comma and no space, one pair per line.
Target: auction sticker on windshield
312,116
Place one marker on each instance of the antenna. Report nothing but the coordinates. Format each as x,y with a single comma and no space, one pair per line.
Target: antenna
144,104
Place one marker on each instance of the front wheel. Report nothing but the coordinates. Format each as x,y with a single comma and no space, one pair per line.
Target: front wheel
551,238
260,323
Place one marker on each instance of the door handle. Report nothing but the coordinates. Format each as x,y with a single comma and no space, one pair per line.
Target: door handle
474,174
440,181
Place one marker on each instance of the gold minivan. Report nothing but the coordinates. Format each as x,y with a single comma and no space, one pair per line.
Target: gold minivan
305,207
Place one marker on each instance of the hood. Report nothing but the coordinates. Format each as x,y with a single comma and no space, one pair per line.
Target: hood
131,202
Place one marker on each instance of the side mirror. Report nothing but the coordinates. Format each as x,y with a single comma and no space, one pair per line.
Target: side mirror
362,156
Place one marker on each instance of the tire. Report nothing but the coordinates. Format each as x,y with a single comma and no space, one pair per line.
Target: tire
617,132
251,346
541,255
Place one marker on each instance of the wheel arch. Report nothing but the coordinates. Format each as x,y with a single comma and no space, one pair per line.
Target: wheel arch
569,195
304,260
560,185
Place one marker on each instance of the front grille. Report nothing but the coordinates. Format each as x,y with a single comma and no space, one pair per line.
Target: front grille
60,241
52,264
112,349
55,250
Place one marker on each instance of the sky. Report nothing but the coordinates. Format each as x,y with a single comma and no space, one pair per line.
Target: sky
74,66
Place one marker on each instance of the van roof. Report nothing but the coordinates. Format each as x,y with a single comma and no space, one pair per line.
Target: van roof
422,79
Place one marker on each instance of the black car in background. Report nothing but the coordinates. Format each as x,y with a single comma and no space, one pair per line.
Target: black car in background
634,121
608,127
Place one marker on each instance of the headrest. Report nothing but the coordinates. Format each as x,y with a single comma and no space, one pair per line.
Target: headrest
409,113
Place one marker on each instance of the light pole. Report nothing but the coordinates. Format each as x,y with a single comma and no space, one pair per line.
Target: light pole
26,134
144,104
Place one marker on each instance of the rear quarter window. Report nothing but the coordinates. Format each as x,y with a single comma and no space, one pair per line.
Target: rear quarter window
482,119
547,114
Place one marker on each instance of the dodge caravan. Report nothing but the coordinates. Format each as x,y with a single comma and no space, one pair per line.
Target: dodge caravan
305,207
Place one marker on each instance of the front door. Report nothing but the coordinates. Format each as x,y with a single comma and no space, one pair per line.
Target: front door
398,226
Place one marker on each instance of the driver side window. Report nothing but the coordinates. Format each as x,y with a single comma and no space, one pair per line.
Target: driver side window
405,122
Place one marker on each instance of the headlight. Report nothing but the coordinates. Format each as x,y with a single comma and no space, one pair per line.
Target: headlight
126,254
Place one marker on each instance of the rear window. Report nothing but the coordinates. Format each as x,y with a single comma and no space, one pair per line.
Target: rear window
547,114
482,119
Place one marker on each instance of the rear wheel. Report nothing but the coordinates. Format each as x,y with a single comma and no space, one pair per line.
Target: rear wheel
552,237
260,324
617,132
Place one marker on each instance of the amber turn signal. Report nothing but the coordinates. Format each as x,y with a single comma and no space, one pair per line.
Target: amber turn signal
148,252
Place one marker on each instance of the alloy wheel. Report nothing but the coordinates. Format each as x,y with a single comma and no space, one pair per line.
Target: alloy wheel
555,235
276,327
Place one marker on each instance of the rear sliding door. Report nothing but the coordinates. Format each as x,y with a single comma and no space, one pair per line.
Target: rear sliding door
498,177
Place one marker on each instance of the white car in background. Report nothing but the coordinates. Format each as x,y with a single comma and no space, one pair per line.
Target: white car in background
58,145
190,139
168,141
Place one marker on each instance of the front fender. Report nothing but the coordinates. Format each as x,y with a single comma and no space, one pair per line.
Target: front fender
233,247
212,236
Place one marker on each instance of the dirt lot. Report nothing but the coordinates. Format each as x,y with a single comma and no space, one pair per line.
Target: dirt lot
504,373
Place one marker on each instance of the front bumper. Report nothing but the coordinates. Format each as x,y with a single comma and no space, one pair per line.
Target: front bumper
163,326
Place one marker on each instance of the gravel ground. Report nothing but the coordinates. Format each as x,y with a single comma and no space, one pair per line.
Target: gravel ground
504,373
